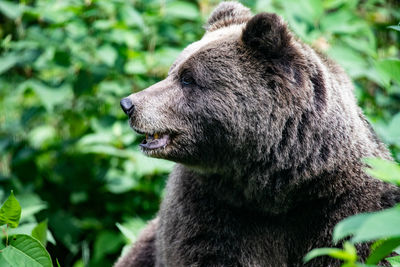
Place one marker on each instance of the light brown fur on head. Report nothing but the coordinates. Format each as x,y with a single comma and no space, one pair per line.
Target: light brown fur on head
269,142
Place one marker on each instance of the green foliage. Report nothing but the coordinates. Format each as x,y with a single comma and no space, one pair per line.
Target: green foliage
40,232
382,227
22,249
348,254
64,66
10,212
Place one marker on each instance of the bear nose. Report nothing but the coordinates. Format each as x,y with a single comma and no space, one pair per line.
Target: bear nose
127,106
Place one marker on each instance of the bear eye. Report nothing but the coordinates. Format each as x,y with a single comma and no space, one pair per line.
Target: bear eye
187,79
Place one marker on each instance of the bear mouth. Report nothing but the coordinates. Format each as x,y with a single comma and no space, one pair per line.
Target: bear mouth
155,141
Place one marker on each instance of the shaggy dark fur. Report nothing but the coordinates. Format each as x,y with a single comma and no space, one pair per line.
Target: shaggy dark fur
268,140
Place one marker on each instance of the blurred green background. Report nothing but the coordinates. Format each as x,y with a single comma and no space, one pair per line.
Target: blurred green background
65,146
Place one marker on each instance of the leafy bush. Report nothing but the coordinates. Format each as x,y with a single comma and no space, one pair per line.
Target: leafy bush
22,249
65,145
382,227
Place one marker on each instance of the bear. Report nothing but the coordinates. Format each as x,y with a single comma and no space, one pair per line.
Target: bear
268,142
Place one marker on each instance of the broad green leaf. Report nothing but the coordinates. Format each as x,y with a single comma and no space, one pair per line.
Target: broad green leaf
389,69
41,135
382,249
394,261
332,252
127,232
131,228
330,4
135,67
27,228
146,166
40,232
50,96
10,9
8,61
119,182
308,10
131,17
107,242
393,130
385,170
24,250
397,28
369,226
3,262
30,204
352,61
10,211
349,226
182,10
107,54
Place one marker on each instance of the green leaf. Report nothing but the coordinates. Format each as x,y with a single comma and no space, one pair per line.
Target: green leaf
389,69
369,226
332,252
107,242
396,28
107,54
135,67
50,96
10,9
132,228
26,251
394,261
10,211
182,10
382,249
27,228
8,61
131,17
384,170
40,232
3,262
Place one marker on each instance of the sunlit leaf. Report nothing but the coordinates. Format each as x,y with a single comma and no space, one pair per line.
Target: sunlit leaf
385,170
10,211
394,261
135,67
332,252
397,27
369,226
132,228
11,9
107,54
24,250
8,61
40,232
106,243
182,10
382,249
389,69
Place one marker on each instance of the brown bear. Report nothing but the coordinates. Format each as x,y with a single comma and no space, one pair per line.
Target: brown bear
268,141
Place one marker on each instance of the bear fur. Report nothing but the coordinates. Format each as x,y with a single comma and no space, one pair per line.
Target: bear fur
269,143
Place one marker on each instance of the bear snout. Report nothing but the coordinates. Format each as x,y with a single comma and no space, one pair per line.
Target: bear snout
127,106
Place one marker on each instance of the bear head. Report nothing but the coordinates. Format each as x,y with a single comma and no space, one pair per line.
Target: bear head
247,94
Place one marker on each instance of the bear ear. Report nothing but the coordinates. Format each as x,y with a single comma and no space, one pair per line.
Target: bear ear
268,34
227,13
